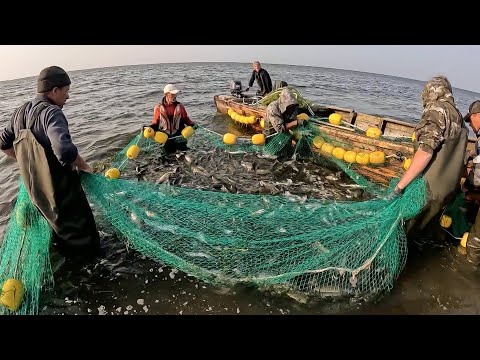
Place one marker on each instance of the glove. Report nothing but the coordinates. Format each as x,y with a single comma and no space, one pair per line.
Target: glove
153,126
195,126
247,88
395,193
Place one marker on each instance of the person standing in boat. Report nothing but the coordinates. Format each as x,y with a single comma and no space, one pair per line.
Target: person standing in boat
263,80
281,114
38,138
472,182
171,117
440,141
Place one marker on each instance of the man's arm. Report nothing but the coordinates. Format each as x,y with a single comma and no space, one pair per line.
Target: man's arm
82,165
6,140
252,79
156,115
268,83
185,117
59,136
429,133
419,162
275,120
291,124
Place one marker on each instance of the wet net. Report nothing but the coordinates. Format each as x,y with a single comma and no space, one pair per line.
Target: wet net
316,247
24,256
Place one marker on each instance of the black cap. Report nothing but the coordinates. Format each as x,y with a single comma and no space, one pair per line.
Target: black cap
473,109
51,77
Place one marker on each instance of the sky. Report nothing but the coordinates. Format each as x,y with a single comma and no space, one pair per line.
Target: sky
460,63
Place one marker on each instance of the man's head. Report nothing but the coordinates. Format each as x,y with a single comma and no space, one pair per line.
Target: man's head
54,83
288,104
438,88
257,66
473,116
170,91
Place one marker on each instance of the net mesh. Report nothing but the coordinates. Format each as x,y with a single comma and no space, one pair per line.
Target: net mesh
316,247
24,254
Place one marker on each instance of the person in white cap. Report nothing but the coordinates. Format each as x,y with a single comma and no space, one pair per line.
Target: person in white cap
171,117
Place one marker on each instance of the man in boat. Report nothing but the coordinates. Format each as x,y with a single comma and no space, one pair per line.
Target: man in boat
38,138
471,185
281,114
171,117
440,144
263,80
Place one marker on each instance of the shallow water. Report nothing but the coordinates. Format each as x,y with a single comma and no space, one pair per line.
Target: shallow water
107,107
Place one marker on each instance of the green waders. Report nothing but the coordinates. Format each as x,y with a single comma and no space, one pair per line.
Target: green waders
443,178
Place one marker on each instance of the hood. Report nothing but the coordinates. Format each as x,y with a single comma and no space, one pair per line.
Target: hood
286,98
437,89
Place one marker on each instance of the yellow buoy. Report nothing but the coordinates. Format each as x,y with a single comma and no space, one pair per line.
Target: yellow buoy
373,132
12,293
112,173
463,242
229,139
148,132
258,139
318,142
161,137
251,119
413,136
406,163
302,116
362,158
338,152
328,148
350,156
445,221
335,119
187,132
377,157
262,123
133,152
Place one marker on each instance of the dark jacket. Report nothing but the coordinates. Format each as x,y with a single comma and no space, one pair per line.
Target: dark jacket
263,80
51,131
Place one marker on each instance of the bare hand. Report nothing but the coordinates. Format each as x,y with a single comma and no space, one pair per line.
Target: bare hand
87,169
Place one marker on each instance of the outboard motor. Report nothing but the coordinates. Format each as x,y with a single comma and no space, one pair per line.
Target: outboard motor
236,88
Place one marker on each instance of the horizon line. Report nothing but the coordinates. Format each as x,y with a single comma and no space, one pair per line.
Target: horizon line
236,62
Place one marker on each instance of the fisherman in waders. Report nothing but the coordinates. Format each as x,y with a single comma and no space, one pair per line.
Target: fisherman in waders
281,114
440,144
472,183
38,138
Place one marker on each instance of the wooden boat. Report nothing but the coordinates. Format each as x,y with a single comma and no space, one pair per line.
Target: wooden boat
395,141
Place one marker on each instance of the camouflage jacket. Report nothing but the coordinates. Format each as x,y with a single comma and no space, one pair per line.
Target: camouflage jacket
275,114
440,118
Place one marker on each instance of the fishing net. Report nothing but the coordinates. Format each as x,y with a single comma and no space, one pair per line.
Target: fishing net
311,246
456,218
24,256
316,247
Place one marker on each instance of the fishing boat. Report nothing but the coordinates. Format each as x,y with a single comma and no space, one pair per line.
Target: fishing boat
393,137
